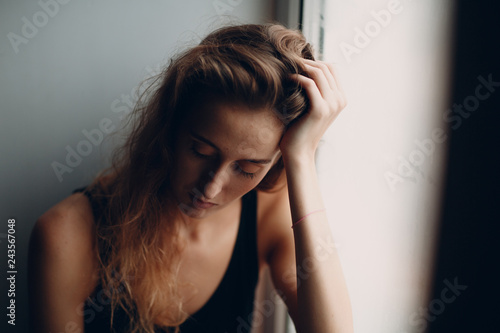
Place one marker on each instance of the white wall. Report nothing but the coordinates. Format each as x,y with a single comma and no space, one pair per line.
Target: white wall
78,68
397,86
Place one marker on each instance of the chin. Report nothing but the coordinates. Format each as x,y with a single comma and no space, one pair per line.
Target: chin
193,212
188,208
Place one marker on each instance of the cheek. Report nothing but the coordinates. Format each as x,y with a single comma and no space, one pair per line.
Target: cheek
187,171
237,187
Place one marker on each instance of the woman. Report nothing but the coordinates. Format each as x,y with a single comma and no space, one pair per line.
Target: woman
201,197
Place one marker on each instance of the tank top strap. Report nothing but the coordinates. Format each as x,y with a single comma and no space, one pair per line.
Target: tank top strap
97,207
247,247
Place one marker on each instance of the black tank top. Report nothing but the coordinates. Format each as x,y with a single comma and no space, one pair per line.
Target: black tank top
229,309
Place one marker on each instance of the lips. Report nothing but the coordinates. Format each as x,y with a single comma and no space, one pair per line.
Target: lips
199,203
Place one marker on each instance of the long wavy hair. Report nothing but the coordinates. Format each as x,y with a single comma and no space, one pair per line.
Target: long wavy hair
136,238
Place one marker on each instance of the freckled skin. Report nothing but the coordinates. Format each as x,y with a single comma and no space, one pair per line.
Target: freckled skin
62,243
239,134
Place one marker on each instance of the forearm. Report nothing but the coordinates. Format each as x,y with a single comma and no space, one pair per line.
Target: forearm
323,300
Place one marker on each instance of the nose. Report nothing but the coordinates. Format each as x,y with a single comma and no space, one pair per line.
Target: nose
215,184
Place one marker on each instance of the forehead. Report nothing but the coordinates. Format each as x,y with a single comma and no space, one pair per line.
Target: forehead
234,127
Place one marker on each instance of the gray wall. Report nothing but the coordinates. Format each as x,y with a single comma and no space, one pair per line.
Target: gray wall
70,70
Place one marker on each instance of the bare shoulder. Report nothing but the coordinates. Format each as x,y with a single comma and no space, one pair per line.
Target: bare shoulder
273,205
68,225
62,263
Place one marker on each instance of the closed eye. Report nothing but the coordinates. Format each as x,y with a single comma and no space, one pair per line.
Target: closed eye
243,172
237,168
196,153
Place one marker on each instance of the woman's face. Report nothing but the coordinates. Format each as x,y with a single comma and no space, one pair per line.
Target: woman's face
222,151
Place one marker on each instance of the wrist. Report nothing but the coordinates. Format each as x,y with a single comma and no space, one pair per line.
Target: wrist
299,160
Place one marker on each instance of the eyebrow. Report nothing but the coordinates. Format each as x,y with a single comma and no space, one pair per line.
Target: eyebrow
210,143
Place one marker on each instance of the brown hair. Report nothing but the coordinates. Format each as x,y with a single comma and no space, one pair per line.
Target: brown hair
137,235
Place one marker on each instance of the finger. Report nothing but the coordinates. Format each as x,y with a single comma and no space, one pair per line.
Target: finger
318,77
326,72
335,74
310,87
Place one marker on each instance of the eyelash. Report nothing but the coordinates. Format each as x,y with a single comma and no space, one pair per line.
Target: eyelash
198,154
245,174
206,157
